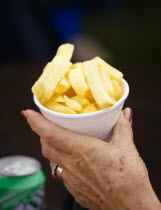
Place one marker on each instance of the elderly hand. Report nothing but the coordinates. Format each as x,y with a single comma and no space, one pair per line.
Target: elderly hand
100,175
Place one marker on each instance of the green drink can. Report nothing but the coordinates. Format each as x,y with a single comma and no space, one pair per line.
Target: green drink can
21,184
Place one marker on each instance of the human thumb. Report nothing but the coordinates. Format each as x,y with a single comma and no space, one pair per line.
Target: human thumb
122,131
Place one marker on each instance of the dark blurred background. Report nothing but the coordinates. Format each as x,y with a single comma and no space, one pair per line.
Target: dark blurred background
125,33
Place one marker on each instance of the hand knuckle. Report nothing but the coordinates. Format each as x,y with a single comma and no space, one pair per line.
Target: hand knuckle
49,135
45,152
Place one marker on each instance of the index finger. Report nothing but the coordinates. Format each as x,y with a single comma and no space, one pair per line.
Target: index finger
57,136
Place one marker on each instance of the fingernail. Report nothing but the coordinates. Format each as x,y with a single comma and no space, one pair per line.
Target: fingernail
128,114
24,115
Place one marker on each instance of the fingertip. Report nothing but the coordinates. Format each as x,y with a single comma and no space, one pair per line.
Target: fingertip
29,114
122,131
127,112
124,118
24,115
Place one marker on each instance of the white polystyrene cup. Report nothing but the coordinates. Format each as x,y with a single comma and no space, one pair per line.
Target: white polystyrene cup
96,124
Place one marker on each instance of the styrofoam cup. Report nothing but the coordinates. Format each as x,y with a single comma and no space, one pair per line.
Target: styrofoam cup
96,124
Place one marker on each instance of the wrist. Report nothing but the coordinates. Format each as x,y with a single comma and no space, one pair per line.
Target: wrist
142,196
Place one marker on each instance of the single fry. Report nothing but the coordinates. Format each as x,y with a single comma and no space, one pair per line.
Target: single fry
117,89
72,104
77,80
59,98
38,91
95,84
60,108
60,69
89,108
66,50
106,80
43,100
63,86
47,66
83,101
56,98
37,88
114,73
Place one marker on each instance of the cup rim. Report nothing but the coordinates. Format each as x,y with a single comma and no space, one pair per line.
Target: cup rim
63,115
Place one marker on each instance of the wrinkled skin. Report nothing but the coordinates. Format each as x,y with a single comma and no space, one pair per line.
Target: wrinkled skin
100,175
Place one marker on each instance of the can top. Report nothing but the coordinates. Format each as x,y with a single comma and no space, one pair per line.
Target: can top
16,166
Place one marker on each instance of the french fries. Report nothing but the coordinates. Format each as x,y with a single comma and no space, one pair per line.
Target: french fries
95,84
77,80
117,90
59,71
114,73
89,108
63,86
56,98
77,88
37,88
106,80
57,107
72,104
82,101
65,50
